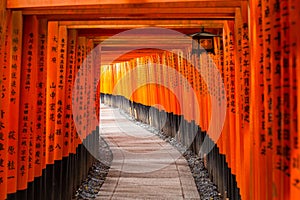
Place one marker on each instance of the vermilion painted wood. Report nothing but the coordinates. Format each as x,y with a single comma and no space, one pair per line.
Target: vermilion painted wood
60,92
256,79
295,96
51,85
246,141
277,175
285,109
70,77
41,96
4,102
28,104
104,3
15,48
268,115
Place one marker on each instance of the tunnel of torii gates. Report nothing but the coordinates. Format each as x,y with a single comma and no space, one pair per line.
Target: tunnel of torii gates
50,96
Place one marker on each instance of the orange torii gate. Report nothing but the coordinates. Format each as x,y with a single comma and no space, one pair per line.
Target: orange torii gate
42,51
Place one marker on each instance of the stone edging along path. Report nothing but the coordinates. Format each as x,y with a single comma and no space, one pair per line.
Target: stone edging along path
132,178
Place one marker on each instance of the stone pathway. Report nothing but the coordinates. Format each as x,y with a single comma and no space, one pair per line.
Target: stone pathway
144,166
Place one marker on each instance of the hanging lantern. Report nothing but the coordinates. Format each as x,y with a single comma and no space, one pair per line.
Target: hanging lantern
203,42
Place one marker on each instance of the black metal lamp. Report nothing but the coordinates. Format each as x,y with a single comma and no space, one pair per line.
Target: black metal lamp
203,42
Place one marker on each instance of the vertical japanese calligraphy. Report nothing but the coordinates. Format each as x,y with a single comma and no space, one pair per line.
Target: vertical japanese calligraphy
60,92
14,97
268,100
275,28
41,70
51,85
285,110
27,124
81,52
294,61
4,101
70,73
258,58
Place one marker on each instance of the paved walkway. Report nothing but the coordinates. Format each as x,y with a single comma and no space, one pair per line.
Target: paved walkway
144,166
